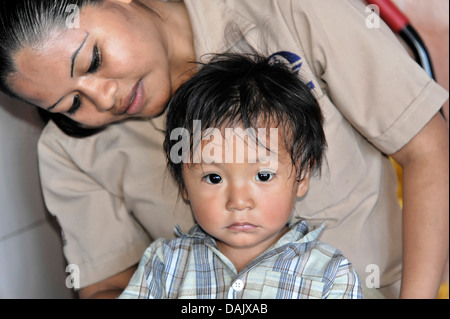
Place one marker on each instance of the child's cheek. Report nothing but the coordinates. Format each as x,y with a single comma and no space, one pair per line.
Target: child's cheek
276,209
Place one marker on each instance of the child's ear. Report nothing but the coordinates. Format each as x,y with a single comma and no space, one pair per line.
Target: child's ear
184,193
303,185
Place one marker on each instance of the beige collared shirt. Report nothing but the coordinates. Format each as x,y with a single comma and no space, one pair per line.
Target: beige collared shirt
112,194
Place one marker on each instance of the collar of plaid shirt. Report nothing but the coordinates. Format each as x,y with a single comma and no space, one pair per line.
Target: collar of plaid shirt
297,266
299,233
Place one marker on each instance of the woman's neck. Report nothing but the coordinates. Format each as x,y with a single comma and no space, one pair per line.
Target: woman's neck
177,30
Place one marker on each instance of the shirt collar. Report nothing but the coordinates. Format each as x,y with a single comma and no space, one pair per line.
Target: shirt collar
299,232
196,231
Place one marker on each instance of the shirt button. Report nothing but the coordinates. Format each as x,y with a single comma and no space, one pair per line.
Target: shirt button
238,285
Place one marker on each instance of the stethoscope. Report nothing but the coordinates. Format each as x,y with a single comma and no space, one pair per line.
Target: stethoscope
400,25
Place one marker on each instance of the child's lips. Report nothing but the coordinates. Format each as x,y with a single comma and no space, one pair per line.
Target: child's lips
242,227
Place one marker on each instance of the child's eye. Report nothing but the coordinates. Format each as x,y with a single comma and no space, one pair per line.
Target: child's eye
212,179
264,176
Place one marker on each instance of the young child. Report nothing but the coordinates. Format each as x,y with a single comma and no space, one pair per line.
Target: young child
243,137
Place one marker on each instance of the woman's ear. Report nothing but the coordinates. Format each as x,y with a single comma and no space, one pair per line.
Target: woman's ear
303,185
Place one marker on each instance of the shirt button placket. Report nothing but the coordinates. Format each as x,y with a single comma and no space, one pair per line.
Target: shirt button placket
235,289
238,285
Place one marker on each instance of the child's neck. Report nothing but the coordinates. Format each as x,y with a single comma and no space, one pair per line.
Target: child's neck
242,256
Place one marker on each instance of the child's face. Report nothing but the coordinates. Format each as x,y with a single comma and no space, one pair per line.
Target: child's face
243,204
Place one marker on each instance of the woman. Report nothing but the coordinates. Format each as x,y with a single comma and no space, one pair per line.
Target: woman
114,72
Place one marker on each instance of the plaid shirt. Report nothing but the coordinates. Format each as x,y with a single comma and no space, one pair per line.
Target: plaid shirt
191,266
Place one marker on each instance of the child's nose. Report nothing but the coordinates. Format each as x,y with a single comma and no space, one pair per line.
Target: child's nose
240,198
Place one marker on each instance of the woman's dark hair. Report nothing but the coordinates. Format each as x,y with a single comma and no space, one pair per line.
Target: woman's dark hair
249,90
28,23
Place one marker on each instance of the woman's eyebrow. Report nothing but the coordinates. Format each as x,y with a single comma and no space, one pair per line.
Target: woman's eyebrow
74,56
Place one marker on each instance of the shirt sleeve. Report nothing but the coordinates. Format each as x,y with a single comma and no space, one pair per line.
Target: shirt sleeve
346,283
99,234
147,281
366,72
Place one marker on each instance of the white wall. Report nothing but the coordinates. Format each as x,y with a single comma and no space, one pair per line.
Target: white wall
31,260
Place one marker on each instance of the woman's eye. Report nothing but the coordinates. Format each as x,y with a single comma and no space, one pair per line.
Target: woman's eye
264,176
95,62
212,179
75,105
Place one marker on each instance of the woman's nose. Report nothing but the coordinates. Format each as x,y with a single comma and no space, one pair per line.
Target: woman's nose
102,92
239,198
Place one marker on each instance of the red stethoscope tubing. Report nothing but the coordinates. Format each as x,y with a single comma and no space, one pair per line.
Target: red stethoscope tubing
400,24
390,14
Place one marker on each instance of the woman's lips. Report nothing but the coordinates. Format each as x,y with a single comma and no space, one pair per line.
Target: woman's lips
242,227
137,100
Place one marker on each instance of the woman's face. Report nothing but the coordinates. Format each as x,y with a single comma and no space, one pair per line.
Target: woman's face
116,65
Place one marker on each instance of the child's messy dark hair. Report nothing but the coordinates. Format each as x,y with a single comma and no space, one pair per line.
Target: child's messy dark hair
249,90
